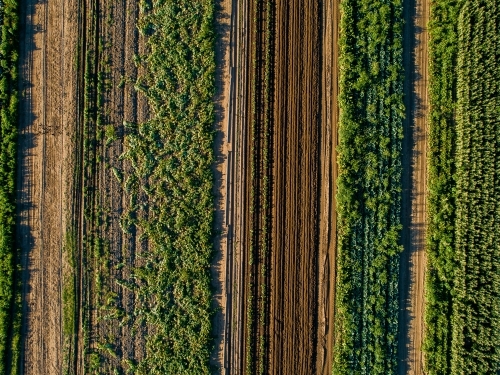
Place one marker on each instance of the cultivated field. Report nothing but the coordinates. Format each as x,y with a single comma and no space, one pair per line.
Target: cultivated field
284,215
83,224
249,187
414,205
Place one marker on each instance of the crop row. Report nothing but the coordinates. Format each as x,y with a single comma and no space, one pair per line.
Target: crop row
171,157
476,289
462,312
9,296
369,186
440,247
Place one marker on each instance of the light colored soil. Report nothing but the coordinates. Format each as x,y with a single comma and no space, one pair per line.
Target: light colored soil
47,83
414,189
222,192
328,177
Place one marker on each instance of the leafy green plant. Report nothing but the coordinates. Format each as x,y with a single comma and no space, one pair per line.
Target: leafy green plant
171,157
369,187
9,298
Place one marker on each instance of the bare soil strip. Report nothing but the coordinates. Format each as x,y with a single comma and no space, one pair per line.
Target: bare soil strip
414,188
278,129
221,265
328,230
238,139
48,37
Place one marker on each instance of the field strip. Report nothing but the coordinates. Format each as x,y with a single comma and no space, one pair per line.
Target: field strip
221,265
414,206
328,230
46,122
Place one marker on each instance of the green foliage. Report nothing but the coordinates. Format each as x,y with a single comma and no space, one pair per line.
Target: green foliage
110,133
369,187
463,301
171,157
443,44
476,289
9,325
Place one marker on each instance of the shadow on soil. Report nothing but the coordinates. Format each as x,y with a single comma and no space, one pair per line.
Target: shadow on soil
222,28
413,234
29,130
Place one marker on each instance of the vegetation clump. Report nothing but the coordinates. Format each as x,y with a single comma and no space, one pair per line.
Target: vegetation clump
462,312
171,157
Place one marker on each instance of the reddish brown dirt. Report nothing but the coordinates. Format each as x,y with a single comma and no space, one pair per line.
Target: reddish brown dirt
328,178
276,323
414,188
47,112
293,301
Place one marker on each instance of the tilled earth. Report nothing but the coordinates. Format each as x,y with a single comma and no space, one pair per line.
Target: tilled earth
286,129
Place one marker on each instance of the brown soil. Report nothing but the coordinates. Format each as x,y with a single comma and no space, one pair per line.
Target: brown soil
328,178
285,135
414,188
109,40
47,83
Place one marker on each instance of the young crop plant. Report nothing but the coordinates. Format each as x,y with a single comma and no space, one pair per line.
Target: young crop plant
369,187
9,292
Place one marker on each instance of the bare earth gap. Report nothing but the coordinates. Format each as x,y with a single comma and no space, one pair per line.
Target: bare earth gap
47,110
413,260
328,178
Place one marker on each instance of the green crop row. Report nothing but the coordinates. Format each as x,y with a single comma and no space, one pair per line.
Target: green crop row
443,44
9,319
476,291
171,157
462,312
369,186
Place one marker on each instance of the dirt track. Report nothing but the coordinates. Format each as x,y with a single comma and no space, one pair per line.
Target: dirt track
328,178
47,84
414,188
